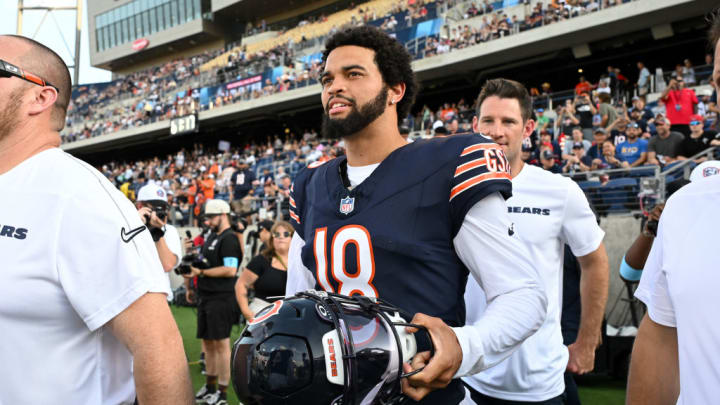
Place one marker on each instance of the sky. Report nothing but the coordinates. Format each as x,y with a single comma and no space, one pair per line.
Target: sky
51,36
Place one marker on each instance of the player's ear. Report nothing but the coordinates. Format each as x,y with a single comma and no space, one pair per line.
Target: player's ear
396,93
476,125
529,127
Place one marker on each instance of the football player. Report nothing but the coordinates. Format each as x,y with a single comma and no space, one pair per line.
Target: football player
548,211
406,221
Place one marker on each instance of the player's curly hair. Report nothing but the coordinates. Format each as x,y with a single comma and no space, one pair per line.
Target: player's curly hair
713,19
391,58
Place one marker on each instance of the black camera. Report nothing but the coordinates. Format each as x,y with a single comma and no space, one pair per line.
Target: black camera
195,260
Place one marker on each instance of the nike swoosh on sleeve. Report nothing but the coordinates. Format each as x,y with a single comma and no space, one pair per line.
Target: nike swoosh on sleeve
128,236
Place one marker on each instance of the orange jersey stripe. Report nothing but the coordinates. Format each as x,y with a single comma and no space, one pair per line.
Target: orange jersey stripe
295,217
470,165
480,146
477,180
292,203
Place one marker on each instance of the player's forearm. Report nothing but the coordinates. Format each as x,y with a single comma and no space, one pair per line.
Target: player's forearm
220,271
167,258
654,371
593,295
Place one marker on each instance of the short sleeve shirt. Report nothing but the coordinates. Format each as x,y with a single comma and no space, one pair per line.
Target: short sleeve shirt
271,281
669,146
680,281
74,254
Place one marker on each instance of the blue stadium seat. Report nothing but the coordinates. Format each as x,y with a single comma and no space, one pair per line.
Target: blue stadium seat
643,172
587,185
619,195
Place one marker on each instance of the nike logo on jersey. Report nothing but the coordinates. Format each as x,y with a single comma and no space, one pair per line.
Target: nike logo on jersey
128,236
511,229
13,232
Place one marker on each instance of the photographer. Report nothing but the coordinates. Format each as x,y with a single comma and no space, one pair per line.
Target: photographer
680,105
217,307
153,208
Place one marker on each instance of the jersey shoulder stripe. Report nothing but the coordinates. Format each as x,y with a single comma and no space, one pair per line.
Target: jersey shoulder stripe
473,181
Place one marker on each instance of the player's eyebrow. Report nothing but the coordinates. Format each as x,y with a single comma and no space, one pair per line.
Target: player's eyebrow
345,69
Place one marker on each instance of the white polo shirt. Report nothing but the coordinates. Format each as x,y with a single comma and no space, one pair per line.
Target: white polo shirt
72,257
548,210
680,285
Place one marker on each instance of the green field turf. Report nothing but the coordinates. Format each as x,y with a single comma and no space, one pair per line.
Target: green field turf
594,391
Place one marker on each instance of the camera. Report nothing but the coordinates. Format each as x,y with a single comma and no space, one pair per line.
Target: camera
194,260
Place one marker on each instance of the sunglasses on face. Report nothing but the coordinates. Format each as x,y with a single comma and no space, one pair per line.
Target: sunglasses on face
285,234
10,70
695,122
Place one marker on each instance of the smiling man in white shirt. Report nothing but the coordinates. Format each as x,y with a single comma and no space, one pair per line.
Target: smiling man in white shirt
548,211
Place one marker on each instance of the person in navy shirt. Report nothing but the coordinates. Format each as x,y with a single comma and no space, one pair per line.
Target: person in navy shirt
408,222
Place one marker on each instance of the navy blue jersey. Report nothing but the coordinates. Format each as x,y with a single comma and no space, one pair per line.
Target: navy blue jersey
392,235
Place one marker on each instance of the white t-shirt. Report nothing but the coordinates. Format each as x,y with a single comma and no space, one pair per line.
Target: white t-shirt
680,285
548,210
66,272
172,239
504,267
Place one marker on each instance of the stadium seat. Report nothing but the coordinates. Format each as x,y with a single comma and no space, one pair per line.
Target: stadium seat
619,195
643,172
590,184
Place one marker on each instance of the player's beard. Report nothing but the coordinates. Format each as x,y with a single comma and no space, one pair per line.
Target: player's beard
357,119
9,116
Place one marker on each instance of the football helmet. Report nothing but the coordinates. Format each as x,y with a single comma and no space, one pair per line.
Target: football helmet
324,348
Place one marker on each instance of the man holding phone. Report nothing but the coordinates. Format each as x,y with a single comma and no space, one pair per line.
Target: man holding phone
584,111
680,105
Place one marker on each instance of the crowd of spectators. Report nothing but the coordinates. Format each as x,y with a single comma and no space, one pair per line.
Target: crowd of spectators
166,91
193,176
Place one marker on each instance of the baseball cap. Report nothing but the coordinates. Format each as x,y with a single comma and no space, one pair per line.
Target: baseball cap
540,110
633,124
265,224
214,207
526,148
705,169
578,145
547,154
697,118
151,192
437,124
599,131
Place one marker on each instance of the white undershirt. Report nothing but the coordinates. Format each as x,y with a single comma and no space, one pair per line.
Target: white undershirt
516,300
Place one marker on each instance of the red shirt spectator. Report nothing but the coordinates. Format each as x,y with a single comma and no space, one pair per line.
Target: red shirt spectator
583,86
679,102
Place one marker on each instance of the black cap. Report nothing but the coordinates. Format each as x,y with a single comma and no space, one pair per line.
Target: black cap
578,145
265,224
547,154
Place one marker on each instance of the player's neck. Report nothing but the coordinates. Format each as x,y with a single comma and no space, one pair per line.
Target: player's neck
516,167
374,143
18,147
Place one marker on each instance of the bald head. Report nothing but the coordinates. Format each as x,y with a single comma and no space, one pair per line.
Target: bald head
42,61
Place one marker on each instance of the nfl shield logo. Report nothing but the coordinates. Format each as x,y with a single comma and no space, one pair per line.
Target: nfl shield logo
347,204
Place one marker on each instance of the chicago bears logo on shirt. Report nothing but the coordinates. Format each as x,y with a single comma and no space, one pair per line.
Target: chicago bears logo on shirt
710,171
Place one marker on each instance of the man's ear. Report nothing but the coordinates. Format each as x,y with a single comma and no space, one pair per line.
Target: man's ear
476,125
396,93
529,128
43,99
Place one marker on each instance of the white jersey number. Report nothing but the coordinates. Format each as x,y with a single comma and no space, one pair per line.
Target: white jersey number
348,284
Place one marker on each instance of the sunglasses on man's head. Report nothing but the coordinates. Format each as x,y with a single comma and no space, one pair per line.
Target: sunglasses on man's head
285,234
10,70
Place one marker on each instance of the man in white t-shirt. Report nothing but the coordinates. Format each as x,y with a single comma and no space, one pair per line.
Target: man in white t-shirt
153,209
548,211
674,359
83,317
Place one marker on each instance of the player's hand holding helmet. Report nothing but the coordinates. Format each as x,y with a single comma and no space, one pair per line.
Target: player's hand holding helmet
324,348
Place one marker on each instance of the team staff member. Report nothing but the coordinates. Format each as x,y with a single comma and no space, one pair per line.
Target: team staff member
547,211
418,215
266,272
217,308
81,277
151,200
